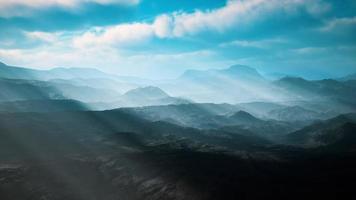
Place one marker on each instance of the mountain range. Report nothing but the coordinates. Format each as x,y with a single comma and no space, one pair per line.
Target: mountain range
235,84
76,133
329,132
294,99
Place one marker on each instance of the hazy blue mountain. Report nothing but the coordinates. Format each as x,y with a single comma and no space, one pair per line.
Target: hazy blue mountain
242,117
313,90
325,132
244,84
237,83
99,83
295,113
148,92
348,77
13,72
295,110
191,115
45,105
147,96
275,76
85,93
224,117
241,120
142,96
240,72
340,95
73,74
260,109
16,90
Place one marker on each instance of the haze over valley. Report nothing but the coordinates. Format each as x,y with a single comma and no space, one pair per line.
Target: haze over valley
82,119
188,100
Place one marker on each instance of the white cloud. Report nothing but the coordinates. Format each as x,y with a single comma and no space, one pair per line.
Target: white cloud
125,34
309,50
48,57
218,19
114,35
163,26
338,23
43,36
261,44
179,24
237,13
103,46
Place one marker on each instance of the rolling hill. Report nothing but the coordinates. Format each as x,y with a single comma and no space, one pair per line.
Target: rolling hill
324,133
113,154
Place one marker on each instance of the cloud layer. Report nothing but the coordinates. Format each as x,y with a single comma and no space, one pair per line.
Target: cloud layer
274,34
180,24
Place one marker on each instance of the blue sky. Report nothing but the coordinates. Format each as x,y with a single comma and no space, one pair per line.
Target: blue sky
161,38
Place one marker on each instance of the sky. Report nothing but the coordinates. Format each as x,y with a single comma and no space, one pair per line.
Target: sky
160,39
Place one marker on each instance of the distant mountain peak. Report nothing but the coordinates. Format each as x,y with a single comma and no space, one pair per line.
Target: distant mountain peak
296,108
293,78
147,92
153,89
242,113
348,77
236,71
243,116
243,72
294,81
242,68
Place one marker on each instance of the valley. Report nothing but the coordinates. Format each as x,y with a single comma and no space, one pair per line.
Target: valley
66,139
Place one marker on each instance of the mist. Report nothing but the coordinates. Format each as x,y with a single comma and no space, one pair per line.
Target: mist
177,100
